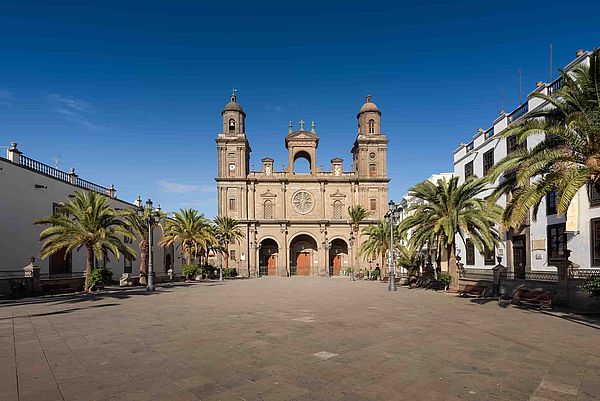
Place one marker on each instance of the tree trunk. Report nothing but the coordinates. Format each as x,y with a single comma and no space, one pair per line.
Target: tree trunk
452,267
89,262
144,245
226,256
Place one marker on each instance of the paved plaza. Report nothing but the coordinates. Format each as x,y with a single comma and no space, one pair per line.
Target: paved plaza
291,339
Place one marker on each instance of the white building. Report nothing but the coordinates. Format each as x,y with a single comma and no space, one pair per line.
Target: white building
409,201
32,190
540,243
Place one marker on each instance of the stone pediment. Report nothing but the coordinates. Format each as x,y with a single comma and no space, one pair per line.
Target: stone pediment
300,136
337,195
268,194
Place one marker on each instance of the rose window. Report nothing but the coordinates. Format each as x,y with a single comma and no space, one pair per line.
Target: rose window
303,202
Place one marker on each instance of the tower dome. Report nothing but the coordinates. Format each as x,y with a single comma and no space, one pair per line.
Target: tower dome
233,105
369,106
233,117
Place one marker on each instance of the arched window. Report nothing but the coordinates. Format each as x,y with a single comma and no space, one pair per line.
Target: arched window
371,126
337,210
231,125
268,206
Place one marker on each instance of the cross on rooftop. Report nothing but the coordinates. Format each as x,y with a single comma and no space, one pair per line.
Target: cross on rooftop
301,125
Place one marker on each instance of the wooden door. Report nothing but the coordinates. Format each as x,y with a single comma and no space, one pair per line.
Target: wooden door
303,264
519,256
271,265
336,265
59,263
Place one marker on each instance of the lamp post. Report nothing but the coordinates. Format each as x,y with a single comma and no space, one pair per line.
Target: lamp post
257,257
327,247
351,240
152,219
393,215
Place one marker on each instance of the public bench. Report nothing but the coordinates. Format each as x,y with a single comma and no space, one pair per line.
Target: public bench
477,291
533,297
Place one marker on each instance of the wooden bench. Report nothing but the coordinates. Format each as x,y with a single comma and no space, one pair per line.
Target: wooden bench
386,279
436,285
54,289
477,291
534,297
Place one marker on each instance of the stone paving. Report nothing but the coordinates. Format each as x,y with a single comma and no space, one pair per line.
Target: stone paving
291,339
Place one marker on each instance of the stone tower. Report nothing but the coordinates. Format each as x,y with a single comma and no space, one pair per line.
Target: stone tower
370,148
233,160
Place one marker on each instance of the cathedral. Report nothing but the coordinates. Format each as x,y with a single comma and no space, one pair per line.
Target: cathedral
297,223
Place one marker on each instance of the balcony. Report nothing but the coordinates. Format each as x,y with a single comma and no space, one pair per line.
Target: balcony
555,85
518,113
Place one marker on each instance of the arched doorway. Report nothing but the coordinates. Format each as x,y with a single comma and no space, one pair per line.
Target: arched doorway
267,257
338,254
303,251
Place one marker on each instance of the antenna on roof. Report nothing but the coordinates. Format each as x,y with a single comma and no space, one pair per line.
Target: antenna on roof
57,162
520,86
501,100
550,62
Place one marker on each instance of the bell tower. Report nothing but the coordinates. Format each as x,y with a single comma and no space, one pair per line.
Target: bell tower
234,160
370,148
234,149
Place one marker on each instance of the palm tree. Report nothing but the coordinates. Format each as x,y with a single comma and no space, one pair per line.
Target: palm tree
377,243
448,210
567,158
226,231
409,258
356,214
86,221
189,228
139,227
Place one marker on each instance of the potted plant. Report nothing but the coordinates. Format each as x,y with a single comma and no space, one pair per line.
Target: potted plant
446,279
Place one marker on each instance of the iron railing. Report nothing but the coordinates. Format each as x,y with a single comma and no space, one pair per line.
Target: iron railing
533,276
555,85
11,273
577,273
519,112
50,276
489,133
470,146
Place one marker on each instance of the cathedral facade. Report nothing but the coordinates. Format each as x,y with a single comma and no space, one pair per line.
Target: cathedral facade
297,223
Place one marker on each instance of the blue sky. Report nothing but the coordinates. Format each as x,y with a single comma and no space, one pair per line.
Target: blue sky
130,93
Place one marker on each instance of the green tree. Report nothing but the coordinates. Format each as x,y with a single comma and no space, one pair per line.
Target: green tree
191,230
568,156
409,258
377,243
86,221
138,225
448,210
356,214
226,231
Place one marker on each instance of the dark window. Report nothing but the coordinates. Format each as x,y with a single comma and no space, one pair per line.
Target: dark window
488,161
594,194
489,256
127,266
231,125
470,251
232,204
372,170
268,209
373,204
557,242
513,144
232,254
595,242
469,170
551,203
371,126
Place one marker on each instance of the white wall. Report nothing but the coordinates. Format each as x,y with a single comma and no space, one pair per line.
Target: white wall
21,203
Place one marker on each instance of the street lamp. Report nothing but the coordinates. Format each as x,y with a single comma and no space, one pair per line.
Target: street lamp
351,240
152,218
327,247
257,257
393,215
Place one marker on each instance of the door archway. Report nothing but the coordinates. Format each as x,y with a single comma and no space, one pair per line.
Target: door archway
338,254
267,257
303,253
